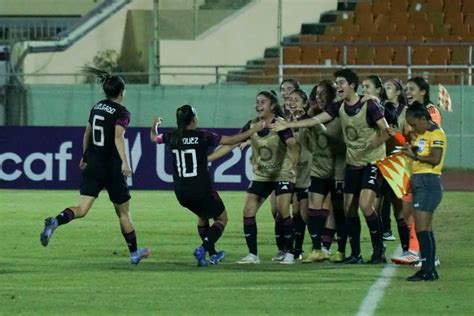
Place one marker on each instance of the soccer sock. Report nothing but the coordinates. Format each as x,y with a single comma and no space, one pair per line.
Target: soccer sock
433,255
250,233
375,232
280,242
328,236
316,223
214,233
288,233
203,231
403,233
131,240
299,226
426,250
385,215
65,216
341,229
414,245
353,232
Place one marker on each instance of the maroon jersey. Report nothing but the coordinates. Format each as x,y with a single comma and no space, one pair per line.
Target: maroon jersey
190,171
104,116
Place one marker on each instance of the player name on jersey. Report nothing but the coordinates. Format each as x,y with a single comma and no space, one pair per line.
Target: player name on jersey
104,107
190,140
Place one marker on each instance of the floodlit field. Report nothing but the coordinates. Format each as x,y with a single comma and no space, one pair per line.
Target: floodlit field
86,269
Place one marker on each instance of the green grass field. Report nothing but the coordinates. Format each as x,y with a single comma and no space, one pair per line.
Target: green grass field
86,269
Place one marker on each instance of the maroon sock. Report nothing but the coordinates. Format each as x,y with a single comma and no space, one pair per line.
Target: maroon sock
131,240
65,216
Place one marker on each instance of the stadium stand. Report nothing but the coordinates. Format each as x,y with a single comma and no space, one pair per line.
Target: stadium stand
420,32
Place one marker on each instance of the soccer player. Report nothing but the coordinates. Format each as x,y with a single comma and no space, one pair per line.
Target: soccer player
191,180
104,164
275,156
298,106
418,89
327,171
365,132
428,152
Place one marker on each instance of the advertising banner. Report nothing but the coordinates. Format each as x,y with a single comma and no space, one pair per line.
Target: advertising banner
48,158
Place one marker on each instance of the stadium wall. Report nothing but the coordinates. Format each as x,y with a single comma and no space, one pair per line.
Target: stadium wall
46,7
223,105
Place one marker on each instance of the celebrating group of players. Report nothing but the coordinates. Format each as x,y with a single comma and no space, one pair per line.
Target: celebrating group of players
315,158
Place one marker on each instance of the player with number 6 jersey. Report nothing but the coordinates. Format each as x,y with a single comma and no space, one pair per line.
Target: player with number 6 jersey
191,180
104,164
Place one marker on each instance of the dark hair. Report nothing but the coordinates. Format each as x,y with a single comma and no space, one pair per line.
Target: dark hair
294,82
112,85
302,95
377,81
418,111
349,75
330,88
402,98
422,85
272,96
184,116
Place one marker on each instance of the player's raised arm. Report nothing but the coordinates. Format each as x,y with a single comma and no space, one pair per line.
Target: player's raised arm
321,118
237,138
154,137
220,152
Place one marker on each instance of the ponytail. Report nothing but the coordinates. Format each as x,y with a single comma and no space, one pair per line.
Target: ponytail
112,85
184,116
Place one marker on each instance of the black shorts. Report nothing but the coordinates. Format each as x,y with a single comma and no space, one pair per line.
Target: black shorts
360,178
263,189
325,186
207,206
301,193
427,191
98,175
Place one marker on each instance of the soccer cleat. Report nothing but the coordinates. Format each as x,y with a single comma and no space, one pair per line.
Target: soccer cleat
200,255
249,259
407,257
388,236
298,254
316,255
417,264
218,257
353,260
50,224
288,259
423,276
279,256
377,258
337,257
137,256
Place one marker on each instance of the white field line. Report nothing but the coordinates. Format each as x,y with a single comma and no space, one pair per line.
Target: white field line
376,291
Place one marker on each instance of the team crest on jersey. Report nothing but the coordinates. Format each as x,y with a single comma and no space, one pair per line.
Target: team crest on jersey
322,141
265,153
351,133
421,145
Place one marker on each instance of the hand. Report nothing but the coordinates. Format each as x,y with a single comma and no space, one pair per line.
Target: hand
368,97
82,164
292,176
391,131
259,126
408,151
157,121
243,145
297,113
278,126
126,171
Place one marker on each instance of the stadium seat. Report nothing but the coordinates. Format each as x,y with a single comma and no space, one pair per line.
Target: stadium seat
381,7
364,18
378,38
440,56
418,18
405,29
435,5
469,19
310,55
400,56
363,7
436,18
307,38
333,30
454,18
383,55
397,38
452,6
468,7
459,56
420,55
441,29
365,55
462,30
345,38
329,53
398,18
344,18
424,29
292,55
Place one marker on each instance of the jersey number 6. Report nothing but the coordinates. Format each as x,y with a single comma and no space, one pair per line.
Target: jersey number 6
98,129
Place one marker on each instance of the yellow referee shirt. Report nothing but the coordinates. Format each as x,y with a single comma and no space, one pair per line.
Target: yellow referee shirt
434,137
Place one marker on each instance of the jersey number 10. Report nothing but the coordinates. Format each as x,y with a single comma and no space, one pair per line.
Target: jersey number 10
181,162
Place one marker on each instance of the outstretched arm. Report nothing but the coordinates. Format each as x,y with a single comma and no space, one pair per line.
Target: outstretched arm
220,152
237,138
321,118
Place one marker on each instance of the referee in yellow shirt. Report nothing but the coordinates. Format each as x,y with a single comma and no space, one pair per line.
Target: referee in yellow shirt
428,151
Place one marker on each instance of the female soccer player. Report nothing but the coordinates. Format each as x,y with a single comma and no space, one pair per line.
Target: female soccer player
418,89
274,159
191,180
104,164
428,152
327,171
298,107
365,132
